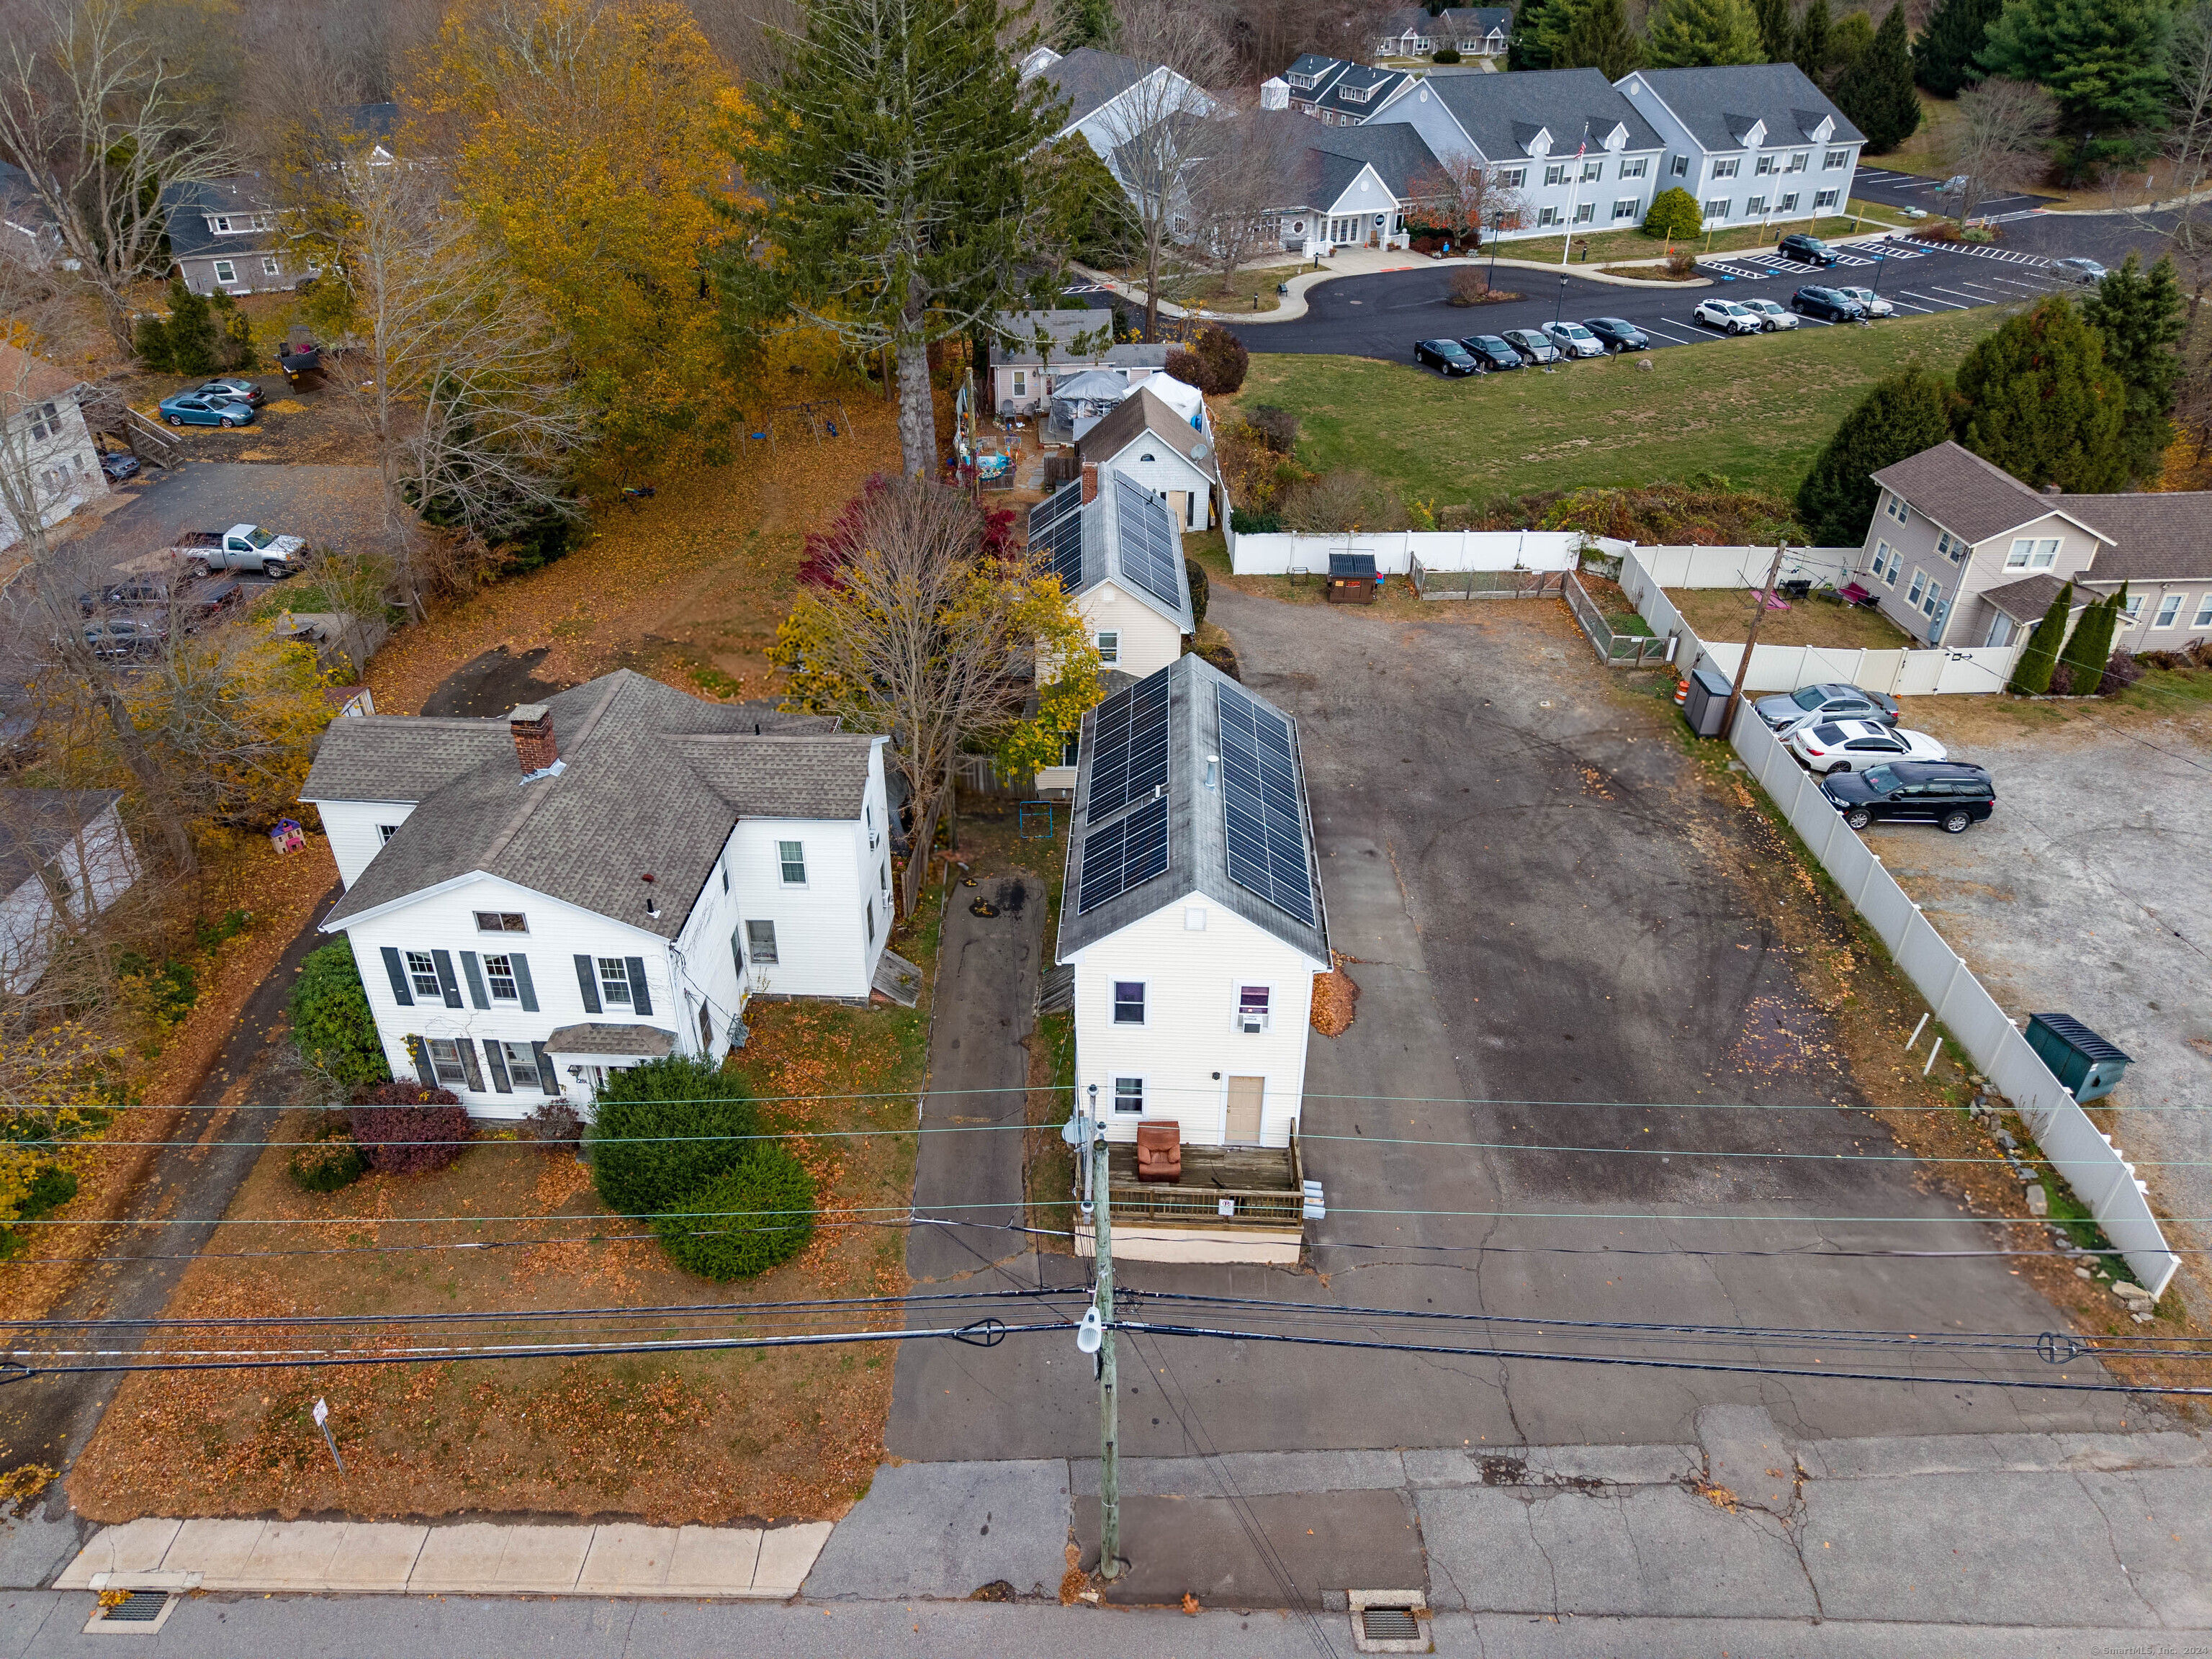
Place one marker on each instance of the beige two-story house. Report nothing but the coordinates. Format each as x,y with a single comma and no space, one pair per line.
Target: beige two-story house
1961,553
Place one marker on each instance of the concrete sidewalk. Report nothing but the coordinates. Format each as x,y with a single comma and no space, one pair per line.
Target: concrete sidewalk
472,1557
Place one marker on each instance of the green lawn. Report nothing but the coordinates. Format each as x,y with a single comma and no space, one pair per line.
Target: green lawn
1754,411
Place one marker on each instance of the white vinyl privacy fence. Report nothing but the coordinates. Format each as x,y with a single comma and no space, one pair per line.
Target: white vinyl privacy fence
1396,551
1647,572
2100,1177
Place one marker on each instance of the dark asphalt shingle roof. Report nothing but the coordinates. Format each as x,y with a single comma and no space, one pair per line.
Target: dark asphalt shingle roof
2157,536
1502,112
2027,599
1378,84
1719,104
187,208
594,1038
1088,78
1142,412
1966,494
652,781
37,824
1397,152
1198,836
1472,22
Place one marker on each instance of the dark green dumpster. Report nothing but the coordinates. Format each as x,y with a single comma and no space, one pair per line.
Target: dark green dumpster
2076,1055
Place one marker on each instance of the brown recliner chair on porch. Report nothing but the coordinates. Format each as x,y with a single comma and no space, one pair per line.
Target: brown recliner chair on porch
1159,1152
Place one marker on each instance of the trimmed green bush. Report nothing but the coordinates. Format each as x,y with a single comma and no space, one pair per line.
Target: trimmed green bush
755,1214
331,1021
1674,213
1444,55
2086,652
1246,523
2031,674
664,1130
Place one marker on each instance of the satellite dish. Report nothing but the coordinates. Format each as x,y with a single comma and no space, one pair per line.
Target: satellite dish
1198,451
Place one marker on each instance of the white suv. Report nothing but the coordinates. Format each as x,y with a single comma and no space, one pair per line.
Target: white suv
1846,745
1729,317
1869,302
1773,312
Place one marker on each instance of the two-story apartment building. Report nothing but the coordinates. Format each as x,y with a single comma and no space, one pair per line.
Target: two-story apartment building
1338,93
598,880
1564,145
47,446
1753,142
1193,919
1961,553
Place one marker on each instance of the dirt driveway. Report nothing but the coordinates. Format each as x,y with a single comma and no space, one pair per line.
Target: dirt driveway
2087,893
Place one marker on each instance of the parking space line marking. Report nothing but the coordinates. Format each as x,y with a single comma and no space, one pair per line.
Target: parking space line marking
1945,304
1904,305
1971,299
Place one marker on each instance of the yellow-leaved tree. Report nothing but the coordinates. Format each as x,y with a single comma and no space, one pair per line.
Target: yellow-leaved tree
918,621
585,136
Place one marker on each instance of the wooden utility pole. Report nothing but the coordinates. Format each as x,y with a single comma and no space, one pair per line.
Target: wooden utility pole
1751,642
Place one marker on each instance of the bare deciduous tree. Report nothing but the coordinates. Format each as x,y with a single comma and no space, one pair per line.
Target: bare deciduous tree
1153,142
101,123
1464,193
1236,185
458,381
1997,145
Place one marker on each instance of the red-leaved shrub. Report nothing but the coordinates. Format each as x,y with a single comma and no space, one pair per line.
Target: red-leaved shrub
828,551
404,1128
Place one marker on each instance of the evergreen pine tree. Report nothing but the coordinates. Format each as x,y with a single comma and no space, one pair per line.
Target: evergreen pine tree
1849,39
2140,314
1698,33
2040,402
1876,91
231,332
2030,671
1533,31
1943,59
1900,416
2104,61
1600,38
1775,33
151,342
192,334
2086,652
1810,50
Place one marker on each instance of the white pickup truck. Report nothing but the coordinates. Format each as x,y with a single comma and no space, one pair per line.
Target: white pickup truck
243,547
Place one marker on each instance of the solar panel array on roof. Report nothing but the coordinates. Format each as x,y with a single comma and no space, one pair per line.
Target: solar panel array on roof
1129,747
1130,850
1056,532
1259,796
1147,542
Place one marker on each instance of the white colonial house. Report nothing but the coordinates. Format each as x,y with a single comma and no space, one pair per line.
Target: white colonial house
1751,142
46,444
65,858
1193,917
600,879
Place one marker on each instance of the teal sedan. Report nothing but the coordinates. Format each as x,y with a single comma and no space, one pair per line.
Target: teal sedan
201,408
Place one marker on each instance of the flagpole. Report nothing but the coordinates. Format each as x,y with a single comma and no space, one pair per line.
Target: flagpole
1574,192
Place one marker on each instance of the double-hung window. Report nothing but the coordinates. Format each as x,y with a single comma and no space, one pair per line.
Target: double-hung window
792,856
760,941
2204,617
1584,212
1950,546
1128,1002
1763,166
1637,169
268,266
1717,210
522,1067
1727,169
1894,506
1110,647
1624,208
446,1063
1919,586
499,975
1885,562
422,974
1128,1094
1680,169
2133,610
1251,1007
1021,383
1834,159
1825,198
1556,173
2032,553
614,981
1512,177
1798,161
225,271
1549,215
1593,171
1754,204
2169,610
1933,598
1788,203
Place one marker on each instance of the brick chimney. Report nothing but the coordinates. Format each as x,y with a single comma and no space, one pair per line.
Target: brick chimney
1090,481
535,745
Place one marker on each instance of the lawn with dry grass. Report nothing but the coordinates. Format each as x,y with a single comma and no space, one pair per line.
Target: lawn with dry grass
1724,615
707,1437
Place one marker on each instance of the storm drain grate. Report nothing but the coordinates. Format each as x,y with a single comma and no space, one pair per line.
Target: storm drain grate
1389,1625
139,1607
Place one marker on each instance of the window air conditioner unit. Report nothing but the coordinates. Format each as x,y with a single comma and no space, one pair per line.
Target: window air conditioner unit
1252,1023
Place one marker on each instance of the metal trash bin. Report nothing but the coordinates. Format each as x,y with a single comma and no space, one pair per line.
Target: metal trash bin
1706,703
2086,1063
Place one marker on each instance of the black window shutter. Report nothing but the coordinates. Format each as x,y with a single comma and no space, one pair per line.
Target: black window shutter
640,998
587,981
421,1052
474,974
495,1057
397,969
546,1084
451,986
522,983
468,1047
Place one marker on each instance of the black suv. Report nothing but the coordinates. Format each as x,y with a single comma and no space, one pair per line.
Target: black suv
1493,351
1446,357
1949,793
1805,250
1828,304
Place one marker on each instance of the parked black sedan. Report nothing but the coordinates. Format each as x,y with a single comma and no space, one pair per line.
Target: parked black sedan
1492,351
1828,304
1446,357
1950,794
1805,250
1618,333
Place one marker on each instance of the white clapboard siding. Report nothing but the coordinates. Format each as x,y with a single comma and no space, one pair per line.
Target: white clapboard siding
1190,1031
1148,641
355,828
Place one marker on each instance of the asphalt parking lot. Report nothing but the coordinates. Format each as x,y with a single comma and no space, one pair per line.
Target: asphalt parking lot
2085,893
1555,950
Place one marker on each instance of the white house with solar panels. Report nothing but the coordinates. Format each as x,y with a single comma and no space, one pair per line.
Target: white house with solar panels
1193,917
1118,550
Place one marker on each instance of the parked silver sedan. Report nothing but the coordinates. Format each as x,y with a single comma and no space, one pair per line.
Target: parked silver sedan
1871,302
1533,345
1773,314
1574,340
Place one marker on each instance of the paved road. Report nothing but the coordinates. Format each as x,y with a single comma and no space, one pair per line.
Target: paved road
1540,892
1911,190
49,1420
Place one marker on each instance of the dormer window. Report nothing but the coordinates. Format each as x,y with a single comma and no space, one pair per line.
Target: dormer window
1356,94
